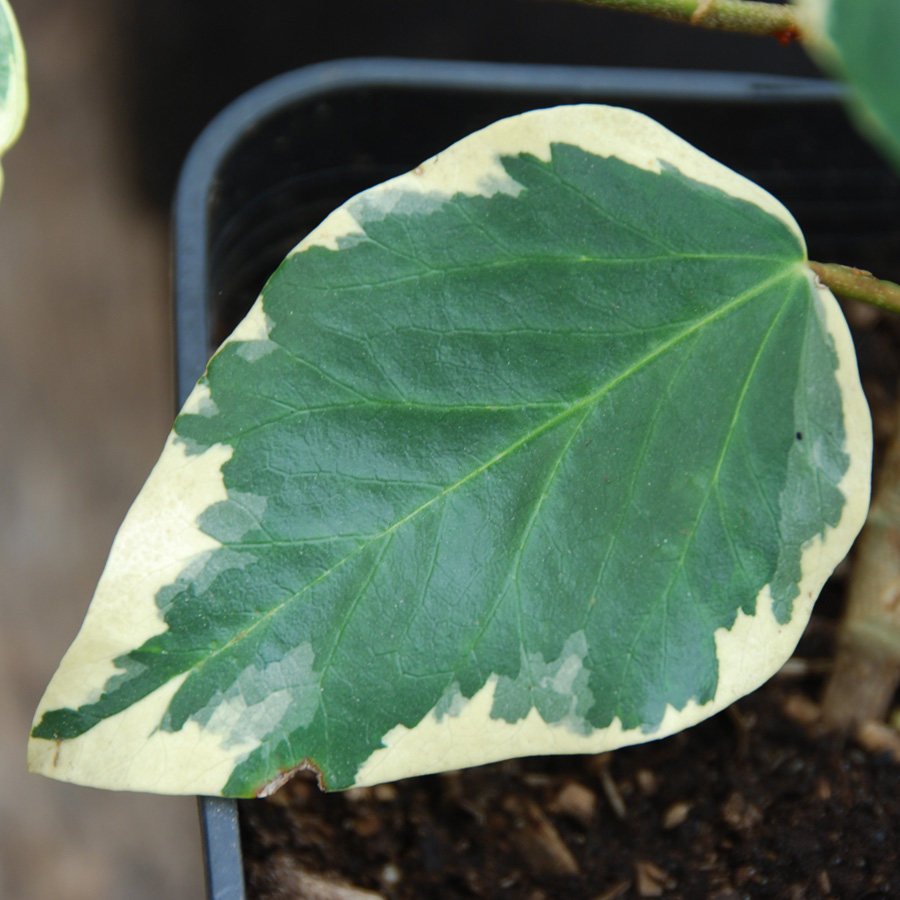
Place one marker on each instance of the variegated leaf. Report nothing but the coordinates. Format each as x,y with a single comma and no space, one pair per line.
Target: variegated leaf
546,446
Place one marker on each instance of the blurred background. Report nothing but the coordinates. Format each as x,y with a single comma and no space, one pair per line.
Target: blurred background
119,89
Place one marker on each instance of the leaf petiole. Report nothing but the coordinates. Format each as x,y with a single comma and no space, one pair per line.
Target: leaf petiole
857,284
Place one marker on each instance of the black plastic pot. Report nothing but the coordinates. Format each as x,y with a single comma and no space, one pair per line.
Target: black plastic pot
276,161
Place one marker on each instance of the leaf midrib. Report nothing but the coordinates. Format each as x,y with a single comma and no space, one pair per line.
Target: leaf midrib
433,271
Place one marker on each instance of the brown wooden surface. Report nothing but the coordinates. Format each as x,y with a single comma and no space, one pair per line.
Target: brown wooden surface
85,407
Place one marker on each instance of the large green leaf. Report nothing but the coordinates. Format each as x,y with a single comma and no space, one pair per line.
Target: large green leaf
859,41
544,447
13,93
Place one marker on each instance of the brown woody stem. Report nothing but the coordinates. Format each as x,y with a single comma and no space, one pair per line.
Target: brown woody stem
867,668
746,16
857,284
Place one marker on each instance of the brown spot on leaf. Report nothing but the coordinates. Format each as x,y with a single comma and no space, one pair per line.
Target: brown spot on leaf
283,777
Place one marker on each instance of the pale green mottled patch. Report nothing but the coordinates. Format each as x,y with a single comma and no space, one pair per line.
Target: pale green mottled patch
280,696
204,569
200,401
451,703
231,520
253,350
558,690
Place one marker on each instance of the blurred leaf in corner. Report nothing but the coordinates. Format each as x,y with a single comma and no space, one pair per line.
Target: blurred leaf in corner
13,90
859,42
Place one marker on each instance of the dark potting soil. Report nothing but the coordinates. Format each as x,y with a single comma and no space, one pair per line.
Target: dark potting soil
756,802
